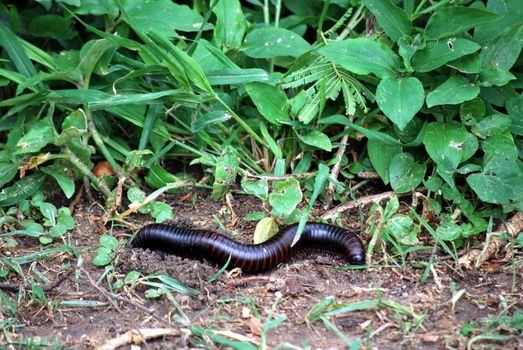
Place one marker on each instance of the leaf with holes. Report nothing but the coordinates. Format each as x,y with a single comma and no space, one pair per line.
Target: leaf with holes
284,198
405,173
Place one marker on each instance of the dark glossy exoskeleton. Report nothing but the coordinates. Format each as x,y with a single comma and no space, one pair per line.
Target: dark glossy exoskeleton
252,258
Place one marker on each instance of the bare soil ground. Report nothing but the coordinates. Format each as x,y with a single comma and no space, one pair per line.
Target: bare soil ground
238,305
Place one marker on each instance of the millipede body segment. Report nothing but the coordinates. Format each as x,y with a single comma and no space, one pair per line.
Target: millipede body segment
252,258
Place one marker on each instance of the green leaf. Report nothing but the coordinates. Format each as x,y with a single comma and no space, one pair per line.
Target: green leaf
270,141
40,135
225,172
161,211
270,42
316,139
393,19
65,182
403,229
454,20
381,156
444,141
491,125
16,52
494,189
454,91
514,107
405,173
208,119
436,54
230,24
400,99
163,16
495,77
51,26
22,189
236,76
471,111
284,198
265,229
362,56
102,260
369,133
503,52
258,188
271,101
109,242
7,172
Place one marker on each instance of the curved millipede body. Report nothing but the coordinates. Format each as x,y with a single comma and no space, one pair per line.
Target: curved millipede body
252,258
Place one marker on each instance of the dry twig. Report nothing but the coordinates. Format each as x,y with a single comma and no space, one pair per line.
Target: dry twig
375,198
494,243
137,336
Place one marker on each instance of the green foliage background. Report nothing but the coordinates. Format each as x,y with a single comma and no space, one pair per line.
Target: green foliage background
428,93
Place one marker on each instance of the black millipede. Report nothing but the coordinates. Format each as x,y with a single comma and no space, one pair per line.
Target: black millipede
251,258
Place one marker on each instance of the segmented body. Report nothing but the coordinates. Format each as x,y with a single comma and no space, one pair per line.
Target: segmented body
252,258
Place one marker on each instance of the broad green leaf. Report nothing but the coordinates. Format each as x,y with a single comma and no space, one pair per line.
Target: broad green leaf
471,111
64,181
284,198
7,172
369,133
400,99
503,52
163,16
455,90
270,42
494,189
317,139
392,18
191,67
445,141
21,189
108,242
501,154
402,227
40,135
469,64
97,8
258,188
436,54
405,173
135,99
454,20
381,156
271,101
495,77
491,125
236,76
230,24
51,26
16,52
265,229
102,259
208,119
514,107
362,56
270,141
225,172
161,211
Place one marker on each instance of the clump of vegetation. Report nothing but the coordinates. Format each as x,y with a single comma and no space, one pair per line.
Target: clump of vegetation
289,101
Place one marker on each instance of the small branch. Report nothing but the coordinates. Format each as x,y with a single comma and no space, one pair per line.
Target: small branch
375,198
251,279
494,243
137,336
336,168
77,162
284,177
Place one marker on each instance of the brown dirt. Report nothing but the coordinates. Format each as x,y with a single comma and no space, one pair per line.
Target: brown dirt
241,309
